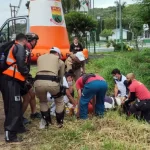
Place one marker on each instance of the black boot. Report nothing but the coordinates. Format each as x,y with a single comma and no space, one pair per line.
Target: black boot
60,118
11,137
46,116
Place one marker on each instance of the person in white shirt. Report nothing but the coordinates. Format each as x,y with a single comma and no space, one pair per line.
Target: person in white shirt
69,97
120,90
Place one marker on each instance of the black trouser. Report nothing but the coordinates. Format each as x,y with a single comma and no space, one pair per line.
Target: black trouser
12,106
142,106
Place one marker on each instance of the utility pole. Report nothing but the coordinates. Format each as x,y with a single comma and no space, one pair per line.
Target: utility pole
116,22
120,22
93,8
13,10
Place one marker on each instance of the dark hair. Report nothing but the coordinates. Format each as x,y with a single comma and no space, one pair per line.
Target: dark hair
69,73
52,52
20,37
116,71
75,38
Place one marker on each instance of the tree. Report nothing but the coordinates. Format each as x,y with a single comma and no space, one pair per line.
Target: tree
144,11
78,24
69,5
106,33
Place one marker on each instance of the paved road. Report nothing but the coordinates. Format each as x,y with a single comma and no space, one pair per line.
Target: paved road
1,120
101,49
110,49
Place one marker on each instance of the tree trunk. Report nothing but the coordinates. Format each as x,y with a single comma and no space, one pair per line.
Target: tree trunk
136,43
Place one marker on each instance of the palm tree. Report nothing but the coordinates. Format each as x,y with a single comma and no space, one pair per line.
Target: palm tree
69,5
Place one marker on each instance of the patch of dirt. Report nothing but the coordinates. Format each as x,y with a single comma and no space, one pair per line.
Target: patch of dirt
2,117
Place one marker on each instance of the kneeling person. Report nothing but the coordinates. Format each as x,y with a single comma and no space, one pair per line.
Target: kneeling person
70,102
141,95
120,90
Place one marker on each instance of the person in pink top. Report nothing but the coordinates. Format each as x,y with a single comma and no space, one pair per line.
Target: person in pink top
88,86
141,94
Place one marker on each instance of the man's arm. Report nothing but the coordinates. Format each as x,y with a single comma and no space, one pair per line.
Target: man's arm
132,98
71,99
116,90
61,71
20,56
68,64
126,85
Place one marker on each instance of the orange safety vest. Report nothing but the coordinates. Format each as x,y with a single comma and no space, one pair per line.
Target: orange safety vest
12,71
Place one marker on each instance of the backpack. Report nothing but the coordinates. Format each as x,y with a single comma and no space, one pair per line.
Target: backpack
4,50
87,76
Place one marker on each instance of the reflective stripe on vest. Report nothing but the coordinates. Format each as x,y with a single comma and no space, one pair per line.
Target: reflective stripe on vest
11,69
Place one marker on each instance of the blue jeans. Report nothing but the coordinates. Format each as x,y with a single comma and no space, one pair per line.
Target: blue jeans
91,89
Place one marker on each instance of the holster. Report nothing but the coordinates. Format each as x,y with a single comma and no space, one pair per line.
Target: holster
61,93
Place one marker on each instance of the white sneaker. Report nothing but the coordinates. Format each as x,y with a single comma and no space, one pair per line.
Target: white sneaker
42,124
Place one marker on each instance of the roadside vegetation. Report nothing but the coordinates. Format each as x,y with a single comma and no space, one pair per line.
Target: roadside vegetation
113,132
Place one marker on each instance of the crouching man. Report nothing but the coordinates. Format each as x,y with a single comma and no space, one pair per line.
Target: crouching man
92,85
49,78
140,95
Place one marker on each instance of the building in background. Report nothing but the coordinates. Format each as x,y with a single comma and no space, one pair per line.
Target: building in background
146,33
127,35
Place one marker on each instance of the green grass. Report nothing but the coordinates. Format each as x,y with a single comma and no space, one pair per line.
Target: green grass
113,132
136,62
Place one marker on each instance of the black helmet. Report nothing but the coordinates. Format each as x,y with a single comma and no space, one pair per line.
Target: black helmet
32,36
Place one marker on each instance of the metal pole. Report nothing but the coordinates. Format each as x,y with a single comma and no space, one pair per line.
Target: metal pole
94,41
120,20
93,8
116,22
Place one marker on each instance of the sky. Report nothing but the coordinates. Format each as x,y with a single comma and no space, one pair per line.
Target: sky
5,9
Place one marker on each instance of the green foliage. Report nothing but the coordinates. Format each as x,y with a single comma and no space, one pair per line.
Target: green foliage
111,144
137,62
88,126
106,33
69,5
144,10
130,16
78,23
117,46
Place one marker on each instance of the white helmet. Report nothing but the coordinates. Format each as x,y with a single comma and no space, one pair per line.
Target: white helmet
56,49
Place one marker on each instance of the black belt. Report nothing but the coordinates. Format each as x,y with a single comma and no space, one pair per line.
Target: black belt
47,77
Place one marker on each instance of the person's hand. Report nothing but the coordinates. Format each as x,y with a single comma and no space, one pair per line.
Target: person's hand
122,102
77,115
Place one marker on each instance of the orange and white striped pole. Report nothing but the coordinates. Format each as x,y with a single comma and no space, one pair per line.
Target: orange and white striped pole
47,20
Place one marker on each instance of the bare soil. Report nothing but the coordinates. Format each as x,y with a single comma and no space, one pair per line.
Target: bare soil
2,117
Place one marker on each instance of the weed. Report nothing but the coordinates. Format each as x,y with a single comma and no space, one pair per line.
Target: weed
113,132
